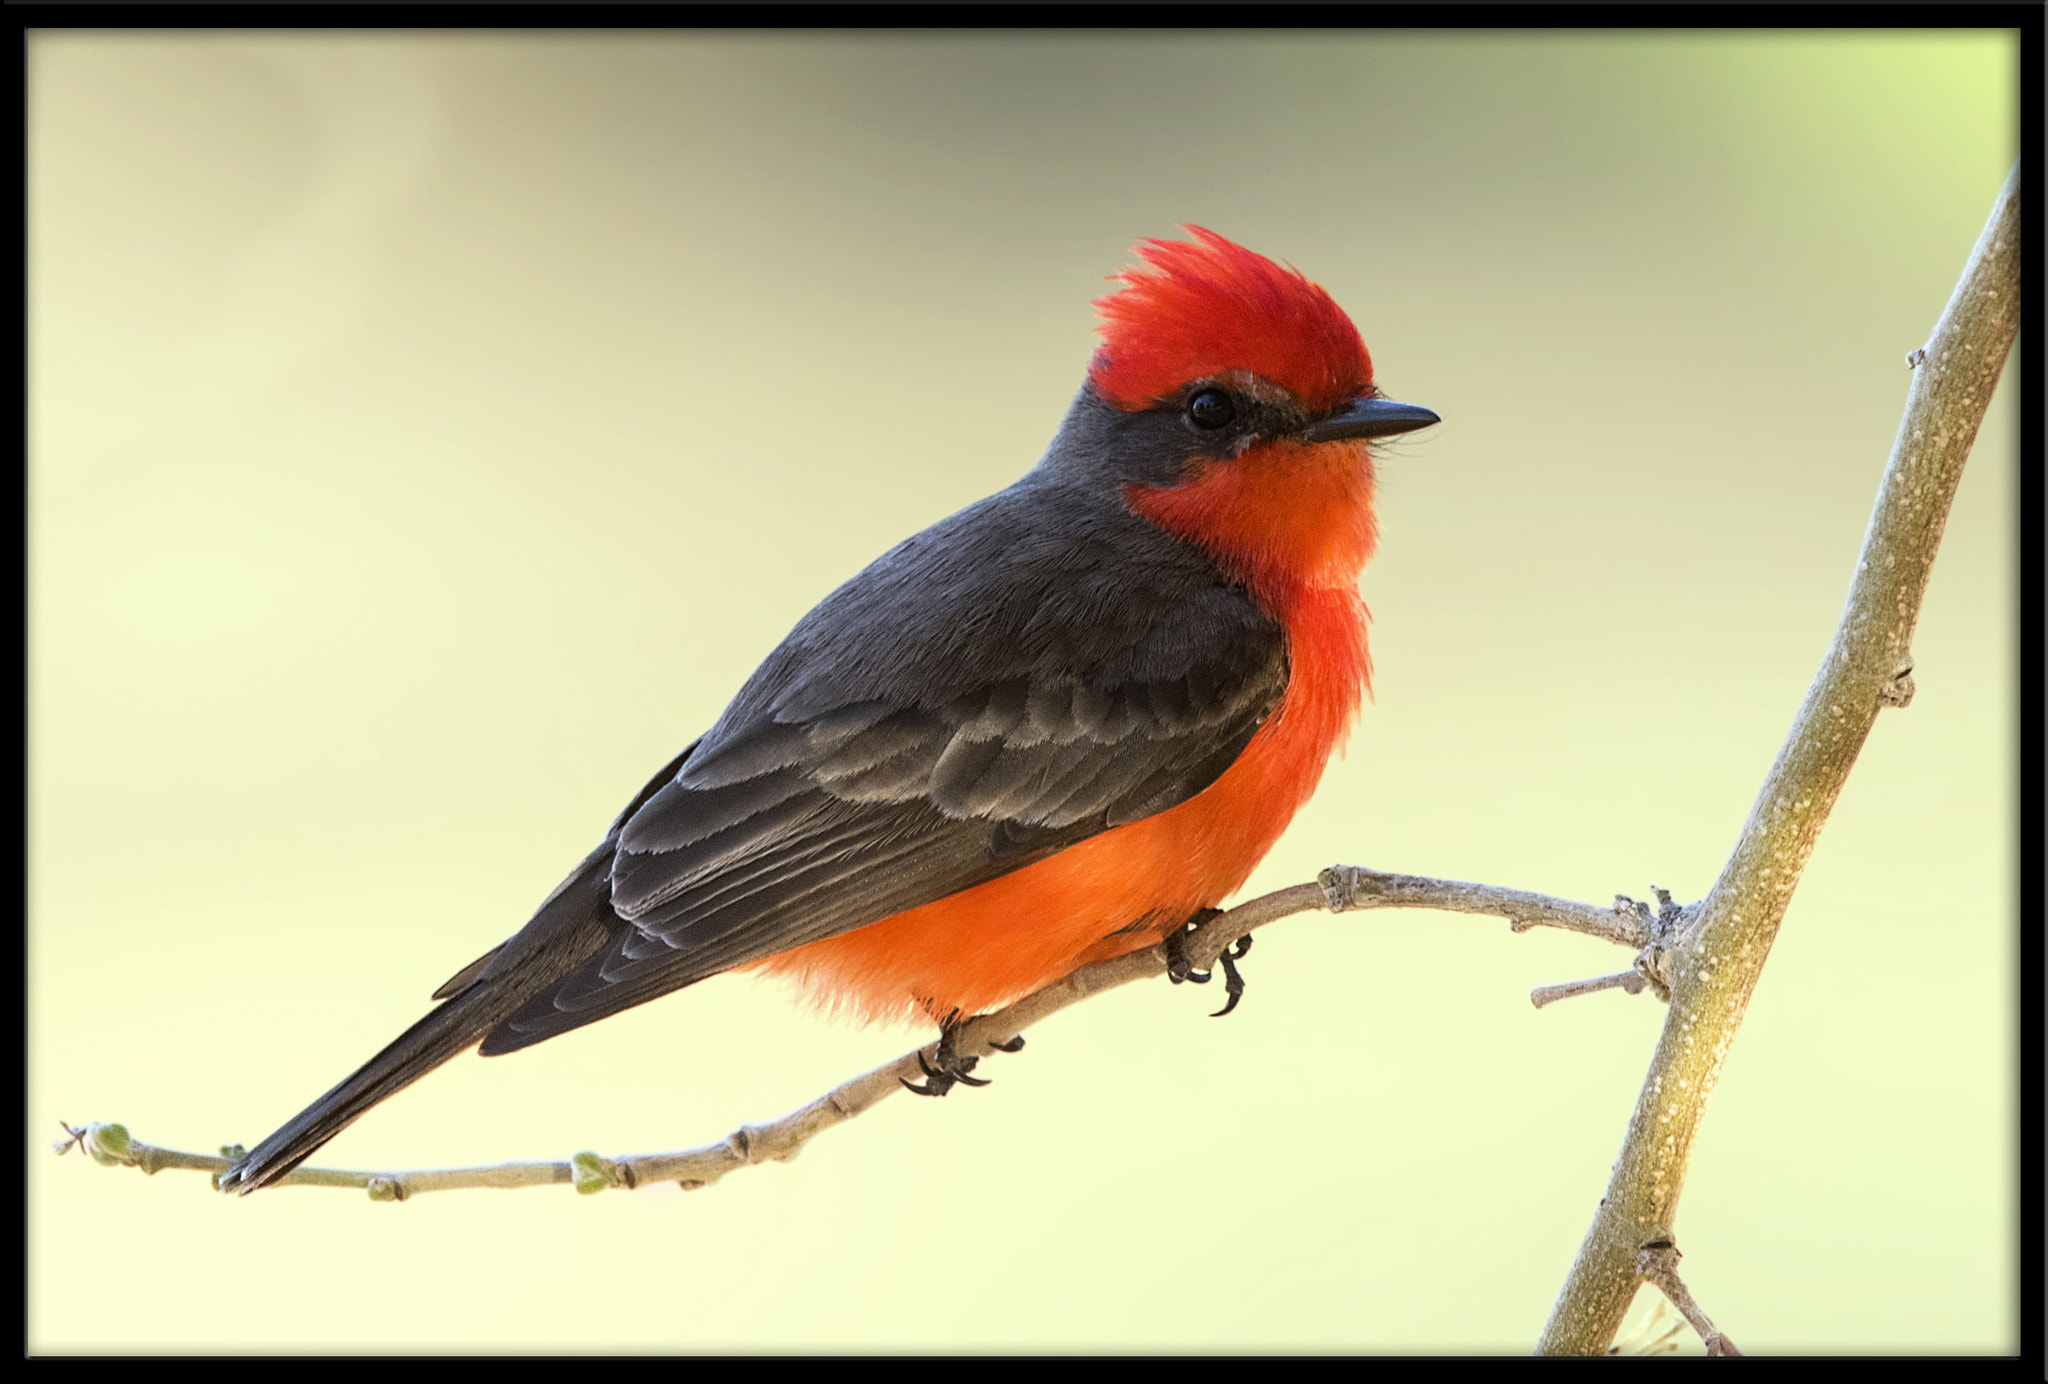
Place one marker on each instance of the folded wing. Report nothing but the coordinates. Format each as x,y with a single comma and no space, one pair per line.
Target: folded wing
827,811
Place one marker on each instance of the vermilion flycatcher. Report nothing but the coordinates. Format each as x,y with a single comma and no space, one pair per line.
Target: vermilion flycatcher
1046,731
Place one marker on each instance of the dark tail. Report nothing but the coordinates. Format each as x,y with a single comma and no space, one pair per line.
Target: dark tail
576,922
460,1023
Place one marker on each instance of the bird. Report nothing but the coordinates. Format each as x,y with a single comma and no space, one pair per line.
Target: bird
1061,725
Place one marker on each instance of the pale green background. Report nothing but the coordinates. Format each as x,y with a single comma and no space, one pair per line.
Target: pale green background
429,434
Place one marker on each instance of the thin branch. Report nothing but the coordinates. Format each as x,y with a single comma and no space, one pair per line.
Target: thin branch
1631,981
1351,887
1722,941
1339,889
1658,1265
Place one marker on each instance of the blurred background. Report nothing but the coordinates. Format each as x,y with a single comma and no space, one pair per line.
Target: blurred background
428,434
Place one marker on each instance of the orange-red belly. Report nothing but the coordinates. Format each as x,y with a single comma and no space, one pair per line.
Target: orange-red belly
985,946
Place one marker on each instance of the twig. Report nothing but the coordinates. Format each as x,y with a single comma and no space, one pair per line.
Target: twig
112,1146
1719,951
1631,981
1340,889
1352,887
1658,1265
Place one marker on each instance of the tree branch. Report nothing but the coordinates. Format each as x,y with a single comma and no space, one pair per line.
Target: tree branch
1339,889
1722,941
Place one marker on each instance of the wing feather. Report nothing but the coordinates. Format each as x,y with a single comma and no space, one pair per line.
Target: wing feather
854,779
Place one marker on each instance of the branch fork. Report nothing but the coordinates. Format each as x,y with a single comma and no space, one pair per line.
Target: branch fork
1657,1264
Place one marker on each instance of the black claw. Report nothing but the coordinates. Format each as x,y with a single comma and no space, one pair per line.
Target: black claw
952,1069
937,1083
1233,983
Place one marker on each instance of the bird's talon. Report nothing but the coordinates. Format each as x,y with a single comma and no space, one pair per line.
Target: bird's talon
1233,983
947,1068
1015,1044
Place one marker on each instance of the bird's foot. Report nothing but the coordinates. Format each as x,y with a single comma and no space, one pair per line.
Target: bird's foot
949,1067
942,1078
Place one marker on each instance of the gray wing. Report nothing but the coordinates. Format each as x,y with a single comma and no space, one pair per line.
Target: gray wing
813,810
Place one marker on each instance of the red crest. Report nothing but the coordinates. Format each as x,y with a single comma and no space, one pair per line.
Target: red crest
1211,306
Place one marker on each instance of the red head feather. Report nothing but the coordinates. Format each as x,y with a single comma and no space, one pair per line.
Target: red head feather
1212,306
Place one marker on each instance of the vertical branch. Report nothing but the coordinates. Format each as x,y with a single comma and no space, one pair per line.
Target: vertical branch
1721,946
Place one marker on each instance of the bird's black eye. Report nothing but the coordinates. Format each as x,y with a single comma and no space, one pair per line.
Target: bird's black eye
1211,409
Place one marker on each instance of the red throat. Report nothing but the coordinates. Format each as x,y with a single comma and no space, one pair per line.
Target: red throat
1282,518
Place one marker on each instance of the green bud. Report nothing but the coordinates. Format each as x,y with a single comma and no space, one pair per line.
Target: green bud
592,1174
109,1146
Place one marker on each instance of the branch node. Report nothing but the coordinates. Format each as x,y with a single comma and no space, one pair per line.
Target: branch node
383,1188
1899,690
1653,965
1660,927
763,1145
1640,911
1657,1263
1340,886
1915,356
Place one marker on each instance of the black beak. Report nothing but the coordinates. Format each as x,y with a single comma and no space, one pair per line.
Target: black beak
1369,418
